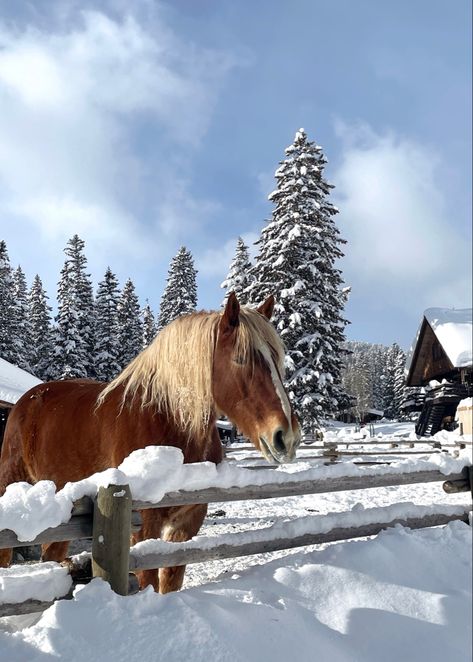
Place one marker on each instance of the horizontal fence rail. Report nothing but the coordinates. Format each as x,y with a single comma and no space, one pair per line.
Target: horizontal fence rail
369,442
80,526
295,488
198,554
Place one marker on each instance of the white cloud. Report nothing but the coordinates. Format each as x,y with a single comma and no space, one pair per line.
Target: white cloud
179,215
402,244
76,105
215,262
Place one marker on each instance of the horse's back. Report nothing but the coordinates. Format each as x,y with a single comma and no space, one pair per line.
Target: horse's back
52,429
57,431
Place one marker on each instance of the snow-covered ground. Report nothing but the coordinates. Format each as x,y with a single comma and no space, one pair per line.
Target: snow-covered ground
401,595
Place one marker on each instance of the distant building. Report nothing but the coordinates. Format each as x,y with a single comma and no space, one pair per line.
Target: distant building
13,383
441,359
356,415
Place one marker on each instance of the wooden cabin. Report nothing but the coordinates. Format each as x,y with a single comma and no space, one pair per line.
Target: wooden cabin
13,383
442,348
441,359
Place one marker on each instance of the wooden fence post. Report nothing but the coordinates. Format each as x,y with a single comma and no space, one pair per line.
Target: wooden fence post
111,536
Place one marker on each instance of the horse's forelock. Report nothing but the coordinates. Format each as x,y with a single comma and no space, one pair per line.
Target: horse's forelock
256,333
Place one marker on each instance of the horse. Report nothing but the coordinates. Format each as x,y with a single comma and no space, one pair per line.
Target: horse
200,366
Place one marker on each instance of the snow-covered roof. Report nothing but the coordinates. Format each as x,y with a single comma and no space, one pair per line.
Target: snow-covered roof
14,382
454,331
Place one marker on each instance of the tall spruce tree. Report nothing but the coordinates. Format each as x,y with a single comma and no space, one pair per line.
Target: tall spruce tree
130,327
180,293
149,325
357,377
401,392
296,262
21,325
389,396
239,274
8,340
41,335
107,341
378,376
74,334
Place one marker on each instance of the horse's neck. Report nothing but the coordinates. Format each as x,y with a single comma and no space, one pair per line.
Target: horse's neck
147,426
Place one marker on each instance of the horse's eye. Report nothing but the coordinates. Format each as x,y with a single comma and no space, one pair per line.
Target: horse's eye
239,360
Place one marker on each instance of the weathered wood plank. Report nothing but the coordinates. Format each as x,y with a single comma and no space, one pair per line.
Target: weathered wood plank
342,453
319,445
394,453
34,606
275,490
27,607
78,527
226,551
464,484
326,461
111,536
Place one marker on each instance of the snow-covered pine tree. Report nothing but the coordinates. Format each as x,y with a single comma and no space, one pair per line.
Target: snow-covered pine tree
389,394
378,363
296,263
180,294
8,342
41,335
107,342
357,376
130,327
74,333
401,391
149,325
239,274
20,321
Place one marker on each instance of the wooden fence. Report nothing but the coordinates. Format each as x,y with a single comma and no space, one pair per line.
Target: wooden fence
336,450
113,516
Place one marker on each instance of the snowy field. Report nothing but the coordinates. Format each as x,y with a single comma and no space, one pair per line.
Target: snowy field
400,595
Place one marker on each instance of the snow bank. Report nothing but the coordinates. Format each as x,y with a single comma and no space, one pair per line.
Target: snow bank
154,471
404,595
40,581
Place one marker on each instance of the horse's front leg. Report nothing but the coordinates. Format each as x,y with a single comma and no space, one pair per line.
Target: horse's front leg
180,524
151,524
54,551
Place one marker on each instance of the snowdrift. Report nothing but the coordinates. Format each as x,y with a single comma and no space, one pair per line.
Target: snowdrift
402,595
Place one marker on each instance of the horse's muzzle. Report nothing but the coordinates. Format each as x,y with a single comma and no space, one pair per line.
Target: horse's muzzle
281,448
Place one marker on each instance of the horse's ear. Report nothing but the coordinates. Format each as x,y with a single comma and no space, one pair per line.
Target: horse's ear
267,307
231,315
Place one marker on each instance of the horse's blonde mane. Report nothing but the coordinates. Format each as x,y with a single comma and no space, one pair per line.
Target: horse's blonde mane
174,373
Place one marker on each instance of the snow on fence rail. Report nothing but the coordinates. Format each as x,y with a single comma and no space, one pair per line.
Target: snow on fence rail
113,516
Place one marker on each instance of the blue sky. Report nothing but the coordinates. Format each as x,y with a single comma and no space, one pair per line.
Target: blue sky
147,125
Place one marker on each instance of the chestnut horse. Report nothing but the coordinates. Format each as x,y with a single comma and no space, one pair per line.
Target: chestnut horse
198,367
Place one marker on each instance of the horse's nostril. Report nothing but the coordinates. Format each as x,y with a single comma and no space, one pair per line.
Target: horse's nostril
278,441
